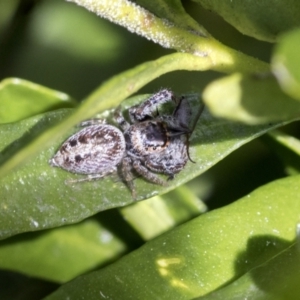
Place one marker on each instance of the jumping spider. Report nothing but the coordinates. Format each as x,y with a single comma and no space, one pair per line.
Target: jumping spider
149,143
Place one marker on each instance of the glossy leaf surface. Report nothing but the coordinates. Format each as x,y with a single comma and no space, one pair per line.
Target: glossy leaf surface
249,99
61,254
277,279
20,99
286,63
263,20
161,213
207,252
50,202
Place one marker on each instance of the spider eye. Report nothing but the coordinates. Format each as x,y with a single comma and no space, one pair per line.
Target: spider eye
155,135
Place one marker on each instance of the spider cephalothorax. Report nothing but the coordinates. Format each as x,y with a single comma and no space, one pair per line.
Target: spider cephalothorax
150,143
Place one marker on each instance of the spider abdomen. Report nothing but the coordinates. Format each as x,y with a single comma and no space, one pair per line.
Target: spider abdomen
95,149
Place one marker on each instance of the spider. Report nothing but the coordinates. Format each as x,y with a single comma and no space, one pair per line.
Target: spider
150,143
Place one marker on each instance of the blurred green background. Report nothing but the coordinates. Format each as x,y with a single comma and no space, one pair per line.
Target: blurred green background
64,47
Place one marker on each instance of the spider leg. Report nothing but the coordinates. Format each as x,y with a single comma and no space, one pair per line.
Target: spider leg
143,171
94,121
127,175
89,177
171,177
147,108
119,119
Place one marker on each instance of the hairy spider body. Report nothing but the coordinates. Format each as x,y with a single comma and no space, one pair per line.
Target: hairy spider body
155,143
150,143
146,138
95,150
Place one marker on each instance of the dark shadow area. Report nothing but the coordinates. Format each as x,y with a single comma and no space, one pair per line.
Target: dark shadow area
273,264
260,249
13,34
280,276
15,286
26,56
289,157
226,33
268,269
113,221
120,229
244,170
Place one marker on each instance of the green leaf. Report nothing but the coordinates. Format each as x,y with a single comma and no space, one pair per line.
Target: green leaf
109,95
204,254
143,22
287,148
263,20
50,202
63,253
161,213
277,279
174,12
20,99
286,63
167,24
249,99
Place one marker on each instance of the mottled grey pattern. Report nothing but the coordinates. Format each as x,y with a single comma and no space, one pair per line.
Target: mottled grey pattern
149,143
96,149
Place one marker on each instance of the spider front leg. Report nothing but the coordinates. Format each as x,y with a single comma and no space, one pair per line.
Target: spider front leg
146,109
90,122
143,171
120,120
90,177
